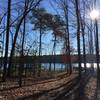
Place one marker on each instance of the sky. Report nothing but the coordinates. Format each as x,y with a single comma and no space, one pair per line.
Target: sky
47,39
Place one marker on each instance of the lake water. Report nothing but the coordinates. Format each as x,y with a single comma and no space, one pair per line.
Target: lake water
62,66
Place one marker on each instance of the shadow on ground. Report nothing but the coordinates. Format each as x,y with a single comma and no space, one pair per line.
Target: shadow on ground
97,91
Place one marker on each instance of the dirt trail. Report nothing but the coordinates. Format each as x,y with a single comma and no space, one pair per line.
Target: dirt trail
16,93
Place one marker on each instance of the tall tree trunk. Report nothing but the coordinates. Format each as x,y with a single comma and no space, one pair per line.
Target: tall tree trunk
7,41
54,51
67,35
84,53
78,35
91,48
97,46
21,66
82,20
40,49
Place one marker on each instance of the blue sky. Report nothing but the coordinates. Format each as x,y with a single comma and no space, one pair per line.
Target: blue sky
47,5
47,38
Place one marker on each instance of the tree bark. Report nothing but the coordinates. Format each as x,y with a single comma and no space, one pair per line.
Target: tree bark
40,47
84,53
97,46
68,38
78,35
7,41
21,66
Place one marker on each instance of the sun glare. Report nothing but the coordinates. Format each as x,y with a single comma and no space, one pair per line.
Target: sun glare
94,14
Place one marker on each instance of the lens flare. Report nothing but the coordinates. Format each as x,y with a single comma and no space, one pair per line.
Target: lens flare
94,14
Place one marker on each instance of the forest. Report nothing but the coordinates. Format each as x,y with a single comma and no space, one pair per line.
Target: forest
49,49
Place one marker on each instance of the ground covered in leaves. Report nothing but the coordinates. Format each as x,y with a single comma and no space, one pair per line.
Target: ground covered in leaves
87,90
11,91
50,88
